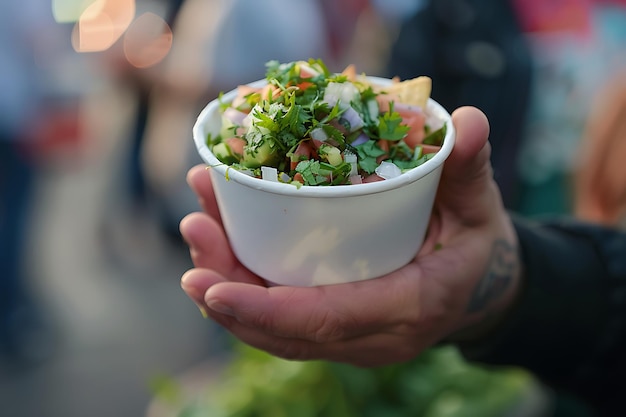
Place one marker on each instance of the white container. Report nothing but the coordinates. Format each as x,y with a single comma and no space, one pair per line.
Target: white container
320,235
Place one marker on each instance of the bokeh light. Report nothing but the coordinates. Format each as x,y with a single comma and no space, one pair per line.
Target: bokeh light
69,11
147,40
101,24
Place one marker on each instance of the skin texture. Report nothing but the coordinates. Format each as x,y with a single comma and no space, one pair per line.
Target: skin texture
466,273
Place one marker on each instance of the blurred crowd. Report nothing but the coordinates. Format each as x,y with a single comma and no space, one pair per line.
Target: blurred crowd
550,75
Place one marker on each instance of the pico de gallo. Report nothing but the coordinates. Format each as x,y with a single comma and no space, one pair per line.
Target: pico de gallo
310,127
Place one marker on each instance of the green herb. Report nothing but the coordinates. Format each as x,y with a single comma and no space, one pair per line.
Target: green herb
367,155
296,106
312,172
406,165
436,137
390,125
438,383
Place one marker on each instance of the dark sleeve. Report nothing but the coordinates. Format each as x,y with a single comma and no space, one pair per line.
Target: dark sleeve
569,326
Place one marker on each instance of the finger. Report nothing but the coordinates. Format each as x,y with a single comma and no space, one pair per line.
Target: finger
371,350
326,313
195,282
209,249
207,243
472,133
467,187
199,180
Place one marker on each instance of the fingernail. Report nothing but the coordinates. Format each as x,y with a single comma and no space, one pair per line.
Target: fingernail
195,296
220,308
203,311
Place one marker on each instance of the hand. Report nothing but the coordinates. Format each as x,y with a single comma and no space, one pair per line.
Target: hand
467,270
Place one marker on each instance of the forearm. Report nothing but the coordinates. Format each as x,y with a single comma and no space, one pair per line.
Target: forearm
569,316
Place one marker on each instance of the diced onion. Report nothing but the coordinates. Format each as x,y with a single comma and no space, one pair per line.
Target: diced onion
434,122
319,134
342,92
388,170
351,159
307,68
361,139
235,116
269,173
353,118
356,179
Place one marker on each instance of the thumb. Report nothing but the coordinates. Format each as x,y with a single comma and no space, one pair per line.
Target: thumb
467,187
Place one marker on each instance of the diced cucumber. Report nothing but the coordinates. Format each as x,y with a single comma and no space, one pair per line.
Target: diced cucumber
330,154
227,128
256,156
223,152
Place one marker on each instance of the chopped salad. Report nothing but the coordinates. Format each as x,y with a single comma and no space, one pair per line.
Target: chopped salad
310,127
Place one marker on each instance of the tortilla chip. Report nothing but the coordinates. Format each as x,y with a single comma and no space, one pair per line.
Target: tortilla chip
415,91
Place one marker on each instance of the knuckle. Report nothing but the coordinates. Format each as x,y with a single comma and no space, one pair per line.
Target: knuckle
265,320
328,326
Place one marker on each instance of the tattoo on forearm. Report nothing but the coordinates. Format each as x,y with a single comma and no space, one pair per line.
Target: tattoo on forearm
500,270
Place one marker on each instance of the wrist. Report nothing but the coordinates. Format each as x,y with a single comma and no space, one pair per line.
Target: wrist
496,294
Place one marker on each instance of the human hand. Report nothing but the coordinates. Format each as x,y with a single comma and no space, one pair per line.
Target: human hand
466,271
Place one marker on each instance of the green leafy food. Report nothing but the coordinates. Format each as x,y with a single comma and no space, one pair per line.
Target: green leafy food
439,383
368,154
303,102
390,126
436,137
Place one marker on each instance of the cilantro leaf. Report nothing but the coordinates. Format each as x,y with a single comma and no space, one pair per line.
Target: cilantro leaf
436,137
311,172
367,154
390,125
405,165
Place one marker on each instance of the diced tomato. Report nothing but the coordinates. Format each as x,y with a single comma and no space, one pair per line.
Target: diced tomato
356,179
236,145
415,119
384,145
350,72
305,73
303,152
268,91
304,85
384,100
316,143
298,177
242,92
372,178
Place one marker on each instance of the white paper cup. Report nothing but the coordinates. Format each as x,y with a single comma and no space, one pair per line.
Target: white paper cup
320,235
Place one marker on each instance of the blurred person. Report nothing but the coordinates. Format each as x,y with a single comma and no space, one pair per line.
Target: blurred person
576,46
531,66
476,54
508,291
24,330
600,176
144,86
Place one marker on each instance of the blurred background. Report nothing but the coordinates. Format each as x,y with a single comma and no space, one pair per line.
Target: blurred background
97,103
